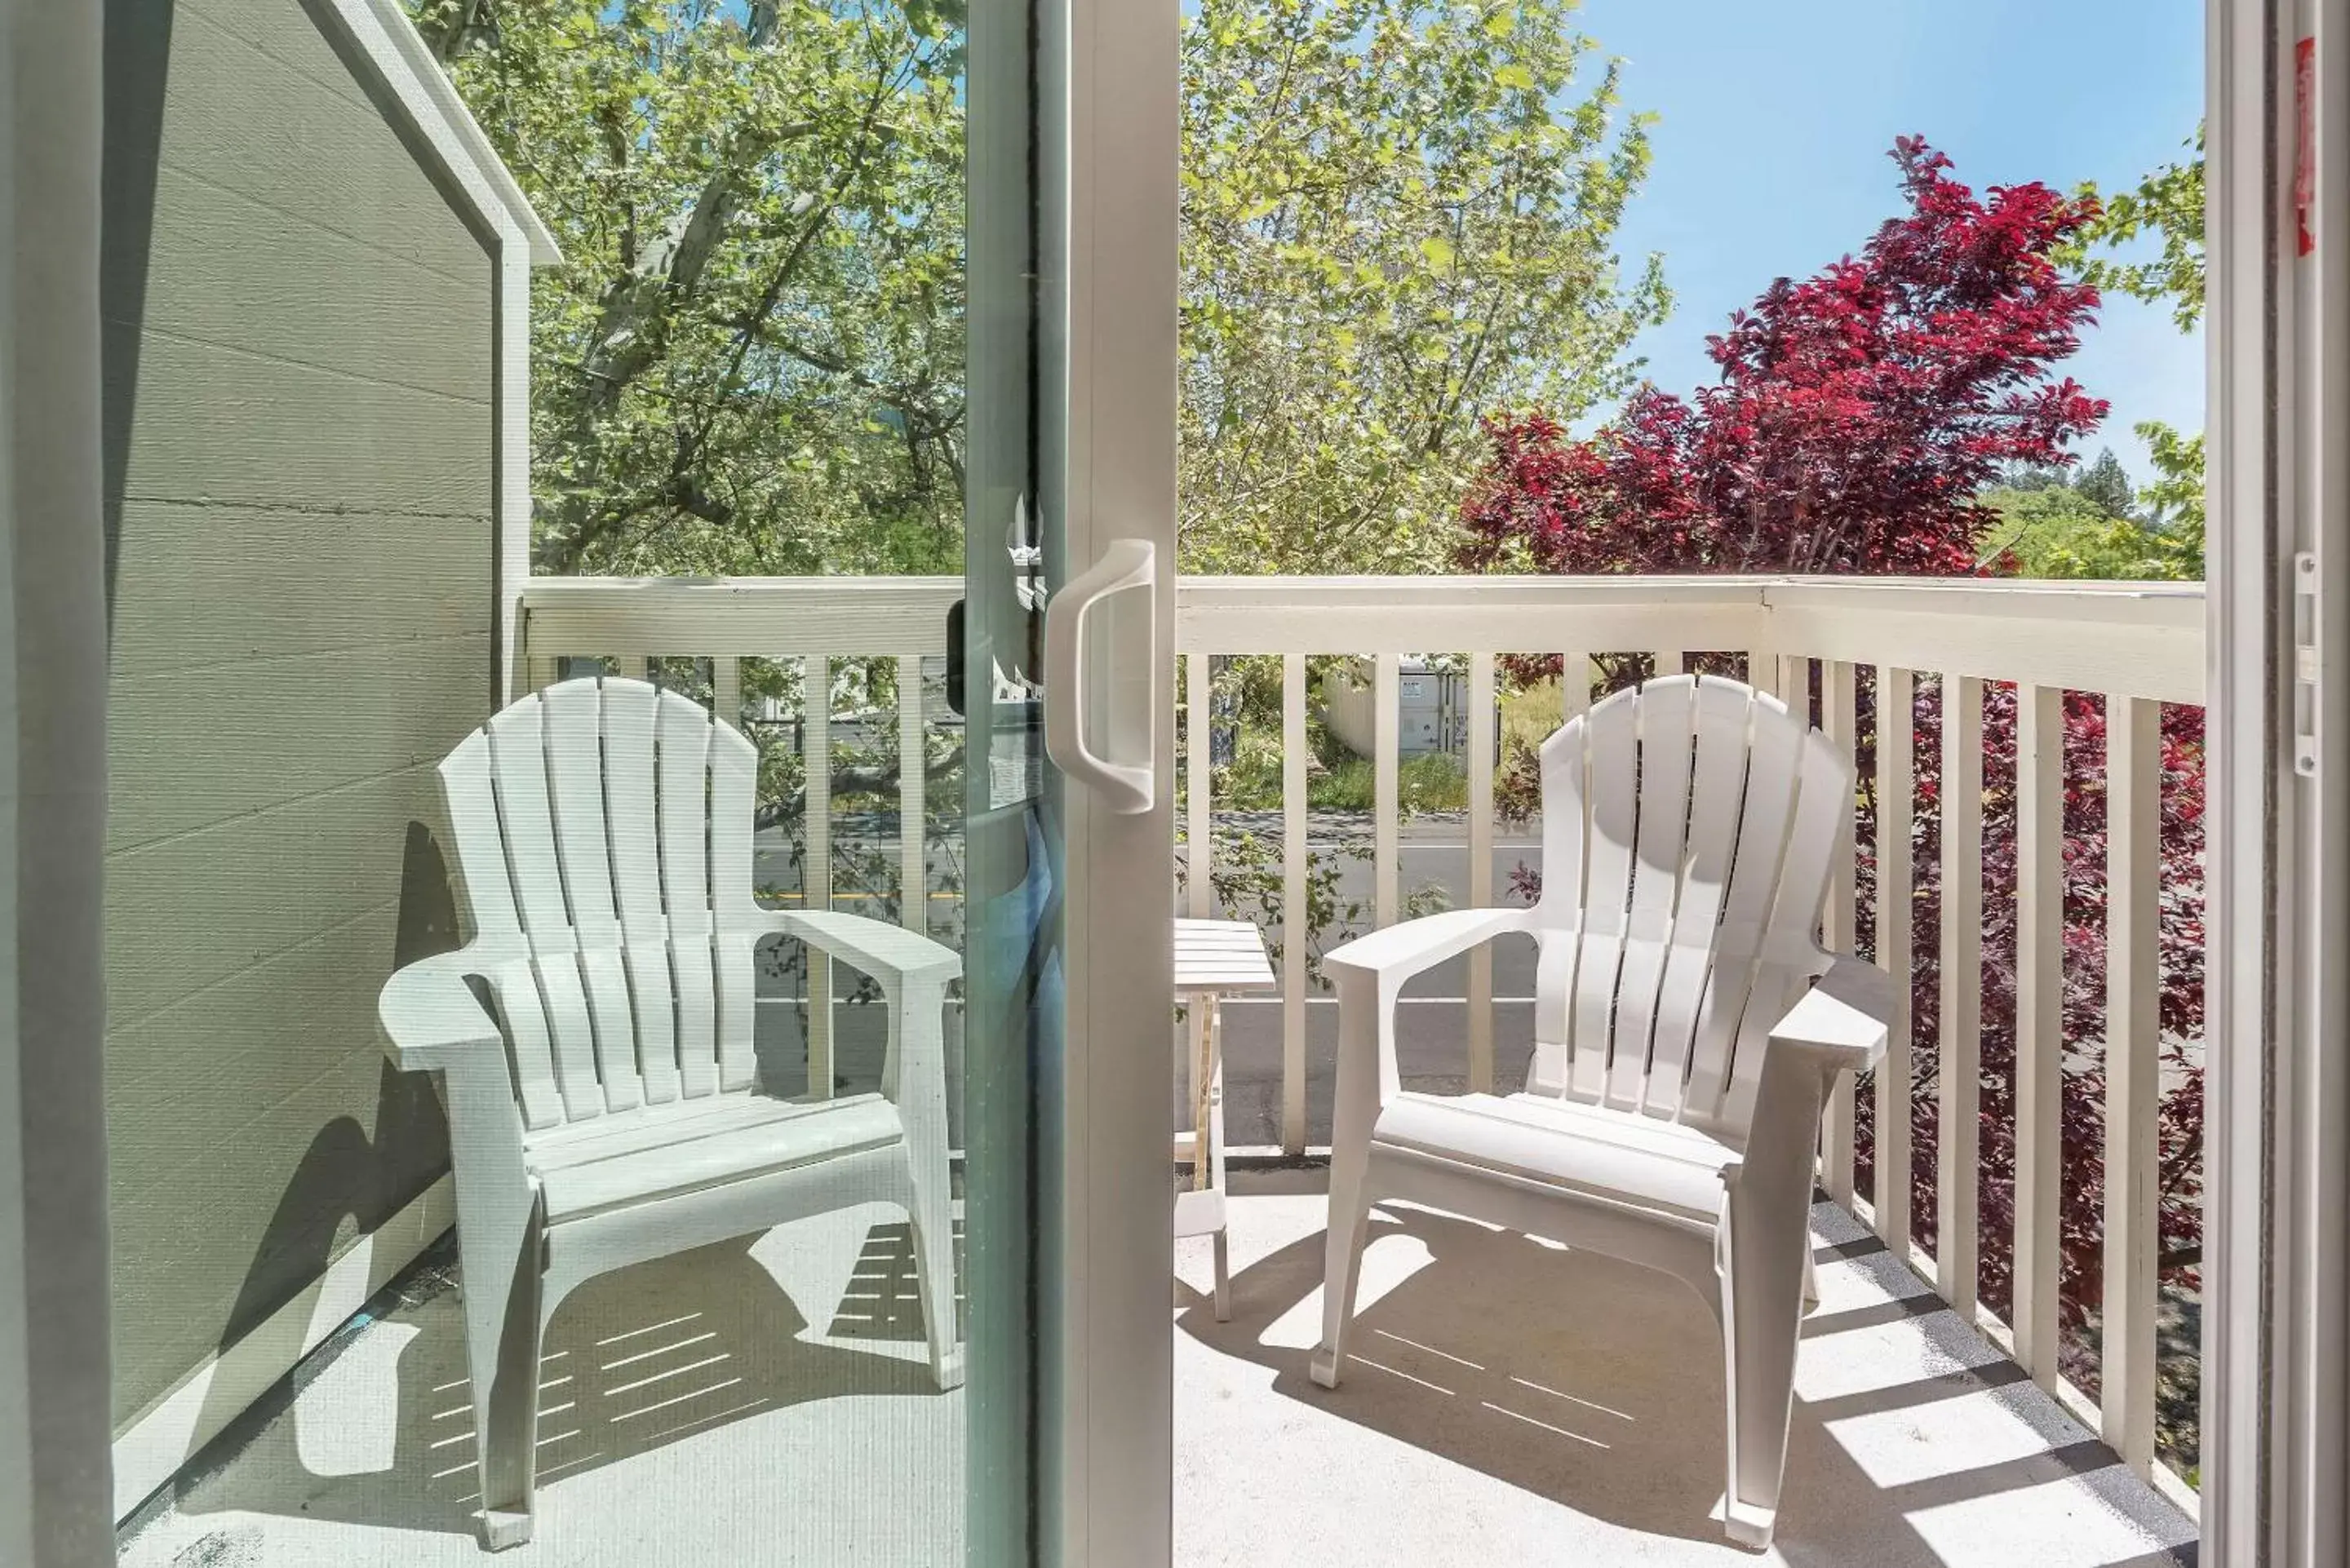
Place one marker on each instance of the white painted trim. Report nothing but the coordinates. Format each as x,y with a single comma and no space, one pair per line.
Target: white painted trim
2275,1433
404,69
2311,1260
513,502
162,1438
439,94
381,33
1109,108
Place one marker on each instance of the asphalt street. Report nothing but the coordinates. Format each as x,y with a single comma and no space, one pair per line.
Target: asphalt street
1431,1028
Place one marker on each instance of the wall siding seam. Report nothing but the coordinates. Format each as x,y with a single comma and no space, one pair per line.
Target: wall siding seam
345,91
283,508
332,651
225,1137
245,817
144,1020
477,405
358,242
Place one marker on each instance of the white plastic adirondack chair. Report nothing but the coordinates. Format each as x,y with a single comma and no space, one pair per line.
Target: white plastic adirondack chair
605,1113
1689,1027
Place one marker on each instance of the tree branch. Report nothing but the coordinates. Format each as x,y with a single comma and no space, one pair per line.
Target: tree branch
466,23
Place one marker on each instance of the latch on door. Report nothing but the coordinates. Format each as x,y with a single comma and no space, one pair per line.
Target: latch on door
2308,665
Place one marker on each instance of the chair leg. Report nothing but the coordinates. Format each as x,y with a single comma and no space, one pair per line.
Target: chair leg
1216,1155
500,1284
932,1214
1223,1305
1354,1109
1761,1319
1342,1259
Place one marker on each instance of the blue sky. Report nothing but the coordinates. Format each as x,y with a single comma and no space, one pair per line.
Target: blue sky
1776,119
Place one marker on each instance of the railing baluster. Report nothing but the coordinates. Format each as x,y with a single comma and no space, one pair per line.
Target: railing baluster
1546,1074
817,861
726,690
1958,1151
1197,830
1895,802
1574,684
1837,924
1293,933
2133,1065
2039,1023
913,867
1481,867
1384,766
1670,663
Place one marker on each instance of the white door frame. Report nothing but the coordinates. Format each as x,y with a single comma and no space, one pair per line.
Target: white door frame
56,1489
1110,79
2276,1433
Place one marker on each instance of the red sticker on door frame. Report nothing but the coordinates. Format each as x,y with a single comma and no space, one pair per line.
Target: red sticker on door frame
2305,157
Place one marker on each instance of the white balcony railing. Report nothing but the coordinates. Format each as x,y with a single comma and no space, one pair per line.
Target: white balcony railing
2137,646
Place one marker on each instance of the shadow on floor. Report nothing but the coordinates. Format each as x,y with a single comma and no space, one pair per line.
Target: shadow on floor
1597,1386
378,1428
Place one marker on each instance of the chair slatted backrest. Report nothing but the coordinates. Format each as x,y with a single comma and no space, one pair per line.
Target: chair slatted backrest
602,833
1686,829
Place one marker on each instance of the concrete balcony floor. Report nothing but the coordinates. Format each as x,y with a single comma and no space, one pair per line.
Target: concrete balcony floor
1511,1403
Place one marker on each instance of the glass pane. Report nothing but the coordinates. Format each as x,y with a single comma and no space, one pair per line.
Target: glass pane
547,1100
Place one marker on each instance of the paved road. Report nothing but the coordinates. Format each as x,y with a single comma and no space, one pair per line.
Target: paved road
1432,1024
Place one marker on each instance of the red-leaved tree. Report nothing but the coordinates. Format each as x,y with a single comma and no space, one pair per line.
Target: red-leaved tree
1858,414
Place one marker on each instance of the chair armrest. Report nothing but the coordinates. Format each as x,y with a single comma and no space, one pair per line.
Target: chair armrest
1842,1024
1397,952
1839,1025
886,953
428,1017
1367,974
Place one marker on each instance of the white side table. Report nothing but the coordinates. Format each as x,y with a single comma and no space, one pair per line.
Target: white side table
1211,957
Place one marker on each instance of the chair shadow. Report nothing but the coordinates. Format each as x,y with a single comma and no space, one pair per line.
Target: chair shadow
1597,1386
377,1431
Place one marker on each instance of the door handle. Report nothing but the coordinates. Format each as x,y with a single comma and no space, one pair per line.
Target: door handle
1127,789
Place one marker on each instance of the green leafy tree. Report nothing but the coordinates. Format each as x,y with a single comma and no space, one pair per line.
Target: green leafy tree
752,357
1395,217
2105,485
2059,530
2167,209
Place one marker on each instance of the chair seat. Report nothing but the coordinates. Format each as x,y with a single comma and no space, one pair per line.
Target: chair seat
653,1151
1617,1155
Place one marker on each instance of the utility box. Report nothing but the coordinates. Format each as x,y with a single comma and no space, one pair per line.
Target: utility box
1431,704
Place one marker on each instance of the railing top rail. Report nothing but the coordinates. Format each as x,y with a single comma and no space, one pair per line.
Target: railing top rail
1356,590
1745,586
561,590
739,616
2131,639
